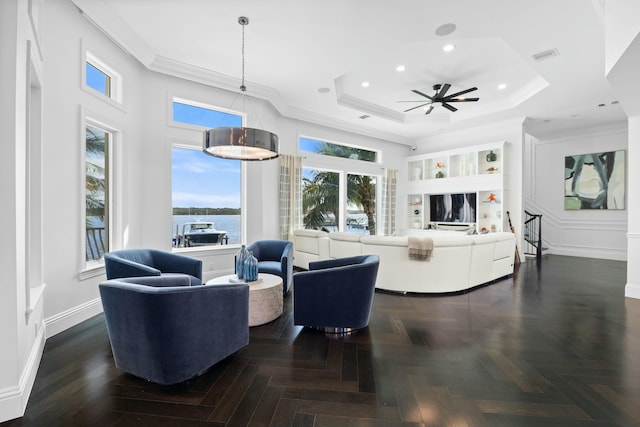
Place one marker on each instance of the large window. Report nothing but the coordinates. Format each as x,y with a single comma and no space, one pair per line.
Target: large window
341,196
206,190
97,143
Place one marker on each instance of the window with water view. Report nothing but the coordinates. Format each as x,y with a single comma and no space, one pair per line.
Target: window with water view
206,191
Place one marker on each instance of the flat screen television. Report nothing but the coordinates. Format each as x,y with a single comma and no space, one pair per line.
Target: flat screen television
453,208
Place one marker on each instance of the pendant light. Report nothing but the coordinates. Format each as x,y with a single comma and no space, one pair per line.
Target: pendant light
240,143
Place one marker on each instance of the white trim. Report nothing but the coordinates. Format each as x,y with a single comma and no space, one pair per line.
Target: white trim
116,81
632,290
62,321
13,400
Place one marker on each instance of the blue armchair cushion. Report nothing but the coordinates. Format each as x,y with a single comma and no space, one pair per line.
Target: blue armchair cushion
169,334
275,257
151,262
336,293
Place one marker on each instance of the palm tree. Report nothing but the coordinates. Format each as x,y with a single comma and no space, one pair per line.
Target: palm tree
321,193
320,199
95,190
95,193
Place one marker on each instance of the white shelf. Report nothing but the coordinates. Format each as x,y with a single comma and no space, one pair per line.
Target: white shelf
478,169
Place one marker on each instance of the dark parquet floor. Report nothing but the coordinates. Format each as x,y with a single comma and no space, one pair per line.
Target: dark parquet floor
555,345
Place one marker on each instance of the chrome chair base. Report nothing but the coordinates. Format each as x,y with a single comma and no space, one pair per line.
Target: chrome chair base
337,331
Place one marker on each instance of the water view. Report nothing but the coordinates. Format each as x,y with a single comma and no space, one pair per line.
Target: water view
229,223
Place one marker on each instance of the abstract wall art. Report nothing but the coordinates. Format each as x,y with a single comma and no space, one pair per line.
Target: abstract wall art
595,181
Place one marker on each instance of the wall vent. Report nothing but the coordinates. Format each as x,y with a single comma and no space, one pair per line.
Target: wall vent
545,54
364,116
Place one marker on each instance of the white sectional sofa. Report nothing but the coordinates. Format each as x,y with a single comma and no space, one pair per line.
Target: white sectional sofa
458,261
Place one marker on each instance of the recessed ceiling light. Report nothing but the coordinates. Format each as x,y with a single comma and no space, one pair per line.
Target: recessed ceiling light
446,29
502,86
324,90
448,47
401,68
365,84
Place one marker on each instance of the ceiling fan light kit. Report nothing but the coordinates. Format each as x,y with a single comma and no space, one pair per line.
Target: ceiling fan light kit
441,96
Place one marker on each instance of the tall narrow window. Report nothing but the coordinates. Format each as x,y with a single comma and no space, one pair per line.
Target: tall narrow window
96,192
206,191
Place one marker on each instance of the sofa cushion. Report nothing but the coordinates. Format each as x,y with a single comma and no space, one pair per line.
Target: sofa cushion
345,236
310,233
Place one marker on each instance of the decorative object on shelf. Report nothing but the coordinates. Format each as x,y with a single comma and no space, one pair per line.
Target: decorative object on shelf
241,256
416,211
491,198
492,169
250,268
439,174
491,157
240,143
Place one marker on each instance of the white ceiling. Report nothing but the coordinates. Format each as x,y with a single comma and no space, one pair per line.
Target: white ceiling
294,48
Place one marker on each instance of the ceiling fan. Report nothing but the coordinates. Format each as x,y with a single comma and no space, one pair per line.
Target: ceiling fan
442,97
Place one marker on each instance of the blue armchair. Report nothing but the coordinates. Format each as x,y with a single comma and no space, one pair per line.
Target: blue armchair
165,331
336,294
275,257
151,262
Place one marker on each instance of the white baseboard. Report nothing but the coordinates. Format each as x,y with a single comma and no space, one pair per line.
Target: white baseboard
13,401
632,290
63,321
598,253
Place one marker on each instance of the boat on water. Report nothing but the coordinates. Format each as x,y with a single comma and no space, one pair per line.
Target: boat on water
199,233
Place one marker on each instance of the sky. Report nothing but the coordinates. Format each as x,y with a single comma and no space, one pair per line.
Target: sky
198,179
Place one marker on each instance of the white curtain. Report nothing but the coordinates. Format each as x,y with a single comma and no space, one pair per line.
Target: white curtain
388,205
290,194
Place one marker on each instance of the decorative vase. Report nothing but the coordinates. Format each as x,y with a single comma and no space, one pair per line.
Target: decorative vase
251,268
491,157
241,256
440,174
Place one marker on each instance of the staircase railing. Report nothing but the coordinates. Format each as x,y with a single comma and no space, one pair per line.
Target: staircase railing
533,234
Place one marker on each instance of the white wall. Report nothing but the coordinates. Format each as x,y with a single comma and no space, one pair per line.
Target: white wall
72,294
587,233
21,316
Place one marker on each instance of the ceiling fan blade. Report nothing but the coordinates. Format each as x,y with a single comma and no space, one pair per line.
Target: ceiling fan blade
423,94
462,100
415,100
429,109
457,94
413,108
443,91
449,107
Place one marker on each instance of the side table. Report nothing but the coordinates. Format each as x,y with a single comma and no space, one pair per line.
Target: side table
265,297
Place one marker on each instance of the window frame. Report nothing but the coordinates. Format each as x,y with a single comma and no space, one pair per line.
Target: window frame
116,81
343,166
113,196
192,139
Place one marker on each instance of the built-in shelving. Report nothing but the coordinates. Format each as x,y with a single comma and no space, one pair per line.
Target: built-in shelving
475,170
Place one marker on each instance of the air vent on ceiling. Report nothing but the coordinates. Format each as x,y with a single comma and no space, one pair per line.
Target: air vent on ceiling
364,116
545,54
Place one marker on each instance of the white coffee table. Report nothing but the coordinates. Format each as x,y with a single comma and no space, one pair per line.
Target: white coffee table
265,297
